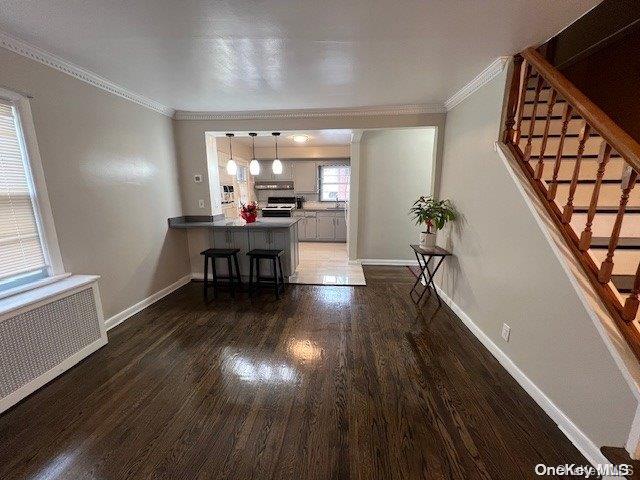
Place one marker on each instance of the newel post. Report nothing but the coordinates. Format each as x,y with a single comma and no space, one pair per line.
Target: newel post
512,102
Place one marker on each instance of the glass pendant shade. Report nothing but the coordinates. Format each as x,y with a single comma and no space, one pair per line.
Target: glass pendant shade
232,167
254,167
276,166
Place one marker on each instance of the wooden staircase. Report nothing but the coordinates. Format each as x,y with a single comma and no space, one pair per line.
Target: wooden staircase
584,169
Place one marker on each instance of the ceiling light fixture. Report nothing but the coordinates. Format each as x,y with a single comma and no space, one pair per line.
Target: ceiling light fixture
254,165
276,166
232,167
300,138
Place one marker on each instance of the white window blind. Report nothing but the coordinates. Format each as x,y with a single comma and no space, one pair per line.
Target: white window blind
334,183
21,250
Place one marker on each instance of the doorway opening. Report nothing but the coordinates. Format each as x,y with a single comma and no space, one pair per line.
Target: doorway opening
308,179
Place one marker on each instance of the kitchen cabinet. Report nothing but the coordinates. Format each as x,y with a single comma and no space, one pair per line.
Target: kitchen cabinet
326,226
287,172
276,239
305,176
341,227
265,174
311,226
231,238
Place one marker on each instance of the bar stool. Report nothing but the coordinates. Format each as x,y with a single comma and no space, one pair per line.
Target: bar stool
228,253
277,280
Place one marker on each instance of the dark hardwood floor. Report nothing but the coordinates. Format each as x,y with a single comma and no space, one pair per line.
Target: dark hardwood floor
327,383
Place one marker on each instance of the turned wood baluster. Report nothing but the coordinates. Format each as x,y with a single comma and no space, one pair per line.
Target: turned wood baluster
532,122
631,303
521,100
512,105
603,158
567,212
566,118
628,181
545,135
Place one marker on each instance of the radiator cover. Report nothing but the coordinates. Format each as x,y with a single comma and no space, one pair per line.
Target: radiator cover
45,339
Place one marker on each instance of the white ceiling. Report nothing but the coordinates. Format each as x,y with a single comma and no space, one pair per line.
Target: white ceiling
287,54
317,138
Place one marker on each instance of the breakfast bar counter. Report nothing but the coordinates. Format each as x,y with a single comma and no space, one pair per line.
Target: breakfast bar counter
261,222
271,233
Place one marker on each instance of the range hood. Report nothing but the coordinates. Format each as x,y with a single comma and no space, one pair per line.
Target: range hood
273,185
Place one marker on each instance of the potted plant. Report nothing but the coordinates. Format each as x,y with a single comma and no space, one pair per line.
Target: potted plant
434,214
249,212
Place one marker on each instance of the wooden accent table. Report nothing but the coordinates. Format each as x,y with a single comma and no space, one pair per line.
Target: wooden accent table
424,256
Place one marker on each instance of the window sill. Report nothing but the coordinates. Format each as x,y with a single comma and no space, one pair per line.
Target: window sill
43,290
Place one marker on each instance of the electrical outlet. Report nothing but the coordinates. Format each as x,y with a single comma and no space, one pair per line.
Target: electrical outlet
201,203
506,331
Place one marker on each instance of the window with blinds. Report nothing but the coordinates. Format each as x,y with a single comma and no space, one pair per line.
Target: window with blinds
22,257
334,183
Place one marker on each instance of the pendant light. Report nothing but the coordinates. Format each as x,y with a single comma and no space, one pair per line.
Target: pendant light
276,166
254,165
232,167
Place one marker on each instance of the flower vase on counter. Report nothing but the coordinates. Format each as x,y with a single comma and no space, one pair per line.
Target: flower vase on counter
249,212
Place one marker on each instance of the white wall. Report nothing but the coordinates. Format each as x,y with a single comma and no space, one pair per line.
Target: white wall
504,270
111,172
311,152
395,169
192,155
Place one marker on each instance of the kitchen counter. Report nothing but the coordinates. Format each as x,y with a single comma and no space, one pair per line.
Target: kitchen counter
320,209
271,233
261,222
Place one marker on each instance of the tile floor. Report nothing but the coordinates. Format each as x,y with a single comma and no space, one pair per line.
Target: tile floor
326,264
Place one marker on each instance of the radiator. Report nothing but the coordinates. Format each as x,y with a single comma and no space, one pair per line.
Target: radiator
46,331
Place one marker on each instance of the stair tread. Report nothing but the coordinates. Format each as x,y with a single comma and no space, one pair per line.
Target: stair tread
588,181
606,209
584,157
542,100
623,242
557,135
624,283
553,117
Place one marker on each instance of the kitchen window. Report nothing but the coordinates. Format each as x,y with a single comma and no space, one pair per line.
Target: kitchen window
24,255
334,183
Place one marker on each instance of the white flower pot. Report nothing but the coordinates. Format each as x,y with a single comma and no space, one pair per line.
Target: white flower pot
427,239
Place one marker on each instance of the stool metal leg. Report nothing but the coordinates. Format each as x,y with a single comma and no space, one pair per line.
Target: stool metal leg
258,271
231,282
281,274
235,260
275,277
206,278
250,275
215,277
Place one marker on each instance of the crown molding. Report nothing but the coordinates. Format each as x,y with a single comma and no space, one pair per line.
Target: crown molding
484,77
35,53
387,110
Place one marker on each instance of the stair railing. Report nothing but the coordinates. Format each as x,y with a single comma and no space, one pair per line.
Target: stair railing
531,66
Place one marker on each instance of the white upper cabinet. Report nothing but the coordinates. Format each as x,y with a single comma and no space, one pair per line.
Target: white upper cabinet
305,177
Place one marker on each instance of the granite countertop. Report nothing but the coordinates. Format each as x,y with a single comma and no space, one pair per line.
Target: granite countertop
321,209
270,222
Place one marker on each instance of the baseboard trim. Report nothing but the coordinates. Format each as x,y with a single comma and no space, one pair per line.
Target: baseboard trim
27,389
589,449
388,261
118,318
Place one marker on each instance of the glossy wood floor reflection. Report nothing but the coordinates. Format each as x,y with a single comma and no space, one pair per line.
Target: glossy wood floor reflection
328,383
